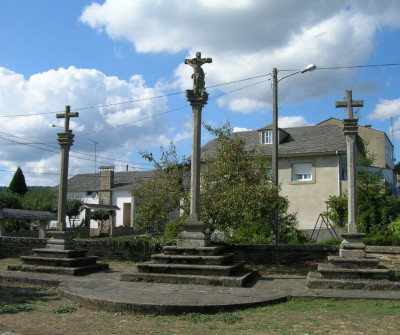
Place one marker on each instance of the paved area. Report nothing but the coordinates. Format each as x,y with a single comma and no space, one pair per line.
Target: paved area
104,290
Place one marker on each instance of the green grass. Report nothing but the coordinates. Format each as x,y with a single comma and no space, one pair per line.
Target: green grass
15,308
64,310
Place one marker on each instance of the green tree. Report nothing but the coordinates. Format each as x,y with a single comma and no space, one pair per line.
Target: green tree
73,209
9,199
237,195
101,216
18,184
163,193
41,199
376,205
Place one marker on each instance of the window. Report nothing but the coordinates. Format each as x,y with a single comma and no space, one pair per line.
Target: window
302,172
266,137
388,150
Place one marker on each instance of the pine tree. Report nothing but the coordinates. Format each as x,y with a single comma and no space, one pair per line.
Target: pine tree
18,184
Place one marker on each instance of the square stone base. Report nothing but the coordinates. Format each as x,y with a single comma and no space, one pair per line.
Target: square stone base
194,235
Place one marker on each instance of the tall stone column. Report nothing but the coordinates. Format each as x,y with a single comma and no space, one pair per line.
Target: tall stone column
194,231
352,245
65,141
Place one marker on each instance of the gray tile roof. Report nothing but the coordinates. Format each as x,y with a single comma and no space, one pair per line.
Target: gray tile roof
7,213
123,181
309,140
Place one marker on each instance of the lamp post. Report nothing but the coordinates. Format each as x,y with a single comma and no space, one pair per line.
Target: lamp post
275,137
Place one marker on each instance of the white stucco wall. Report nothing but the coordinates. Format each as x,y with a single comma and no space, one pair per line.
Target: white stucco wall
119,198
308,198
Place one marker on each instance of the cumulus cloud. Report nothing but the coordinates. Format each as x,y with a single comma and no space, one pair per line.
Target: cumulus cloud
249,38
238,129
118,129
386,109
292,121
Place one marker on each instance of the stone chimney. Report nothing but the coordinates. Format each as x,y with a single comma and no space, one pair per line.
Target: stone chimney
106,184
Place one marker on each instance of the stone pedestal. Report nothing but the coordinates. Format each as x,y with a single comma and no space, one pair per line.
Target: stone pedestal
192,265
352,245
194,235
59,257
352,269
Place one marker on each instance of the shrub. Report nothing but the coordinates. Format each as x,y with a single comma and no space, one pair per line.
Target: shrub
382,240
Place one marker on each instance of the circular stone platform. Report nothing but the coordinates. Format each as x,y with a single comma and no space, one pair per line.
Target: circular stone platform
104,290
156,298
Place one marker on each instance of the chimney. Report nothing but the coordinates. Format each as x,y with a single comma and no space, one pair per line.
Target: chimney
106,184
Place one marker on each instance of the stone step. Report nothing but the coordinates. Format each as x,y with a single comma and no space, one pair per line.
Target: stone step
190,269
55,253
192,259
200,251
62,262
314,281
354,263
238,280
330,272
70,271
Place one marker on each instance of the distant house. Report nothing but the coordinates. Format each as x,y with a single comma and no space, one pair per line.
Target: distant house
110,190
312,162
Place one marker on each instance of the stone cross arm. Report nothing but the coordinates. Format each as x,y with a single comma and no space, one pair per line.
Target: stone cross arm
67,115
349,103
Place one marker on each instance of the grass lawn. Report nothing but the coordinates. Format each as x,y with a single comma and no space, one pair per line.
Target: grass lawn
25,309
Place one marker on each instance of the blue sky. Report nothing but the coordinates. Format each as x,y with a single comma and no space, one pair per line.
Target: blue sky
93,53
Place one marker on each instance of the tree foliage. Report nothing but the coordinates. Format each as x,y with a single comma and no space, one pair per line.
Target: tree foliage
42,199
101,216
17,184
10,199
163,193
237,195
376,205
73,209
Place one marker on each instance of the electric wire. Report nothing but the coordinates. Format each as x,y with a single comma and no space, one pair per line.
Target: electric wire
211,86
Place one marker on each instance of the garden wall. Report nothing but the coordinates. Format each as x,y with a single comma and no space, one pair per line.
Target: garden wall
250,254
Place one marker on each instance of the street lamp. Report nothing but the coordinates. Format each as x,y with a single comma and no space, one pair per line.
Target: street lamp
275,136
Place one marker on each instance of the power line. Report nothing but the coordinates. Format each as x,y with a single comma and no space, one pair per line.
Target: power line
212,86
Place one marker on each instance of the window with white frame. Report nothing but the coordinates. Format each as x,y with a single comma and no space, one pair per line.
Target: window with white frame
266,137
302,172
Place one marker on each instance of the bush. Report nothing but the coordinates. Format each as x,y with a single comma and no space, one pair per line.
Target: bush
338,210
173,229
140,247
382,240
395,228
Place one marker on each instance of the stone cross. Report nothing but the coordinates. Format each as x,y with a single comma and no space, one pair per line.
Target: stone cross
350,129
349,103
194,231
65,141
198,73
67,115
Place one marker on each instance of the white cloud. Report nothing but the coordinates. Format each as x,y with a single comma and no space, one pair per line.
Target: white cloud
386,109
31,142
292,121
238,129
249,38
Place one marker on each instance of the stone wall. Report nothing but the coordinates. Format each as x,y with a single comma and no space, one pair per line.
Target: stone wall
282,254
18,246
250,254
390,256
